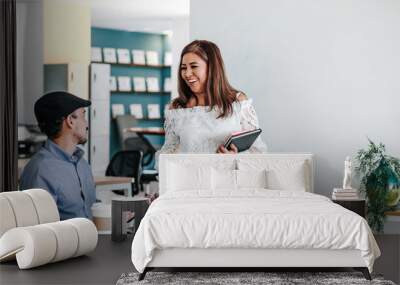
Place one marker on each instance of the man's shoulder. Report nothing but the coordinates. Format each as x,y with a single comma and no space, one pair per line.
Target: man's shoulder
42,154
33,170
40,161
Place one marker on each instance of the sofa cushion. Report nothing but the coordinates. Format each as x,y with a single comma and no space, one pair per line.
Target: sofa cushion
67,240
32,246
23,208
8,220
87,235
45,205
27,208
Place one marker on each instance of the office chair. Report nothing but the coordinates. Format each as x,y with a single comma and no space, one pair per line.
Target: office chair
124,122
132,141
142,144
127,163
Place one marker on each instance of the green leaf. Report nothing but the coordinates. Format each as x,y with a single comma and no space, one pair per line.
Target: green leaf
379,173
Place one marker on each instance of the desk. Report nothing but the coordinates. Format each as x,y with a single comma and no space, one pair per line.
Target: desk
146,131
109,183
122,205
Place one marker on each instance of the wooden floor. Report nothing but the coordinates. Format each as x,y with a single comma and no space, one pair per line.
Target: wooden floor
102,266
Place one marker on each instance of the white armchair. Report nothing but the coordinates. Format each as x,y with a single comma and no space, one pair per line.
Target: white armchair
31,230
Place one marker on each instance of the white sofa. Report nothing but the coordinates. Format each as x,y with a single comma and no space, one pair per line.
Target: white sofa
31,231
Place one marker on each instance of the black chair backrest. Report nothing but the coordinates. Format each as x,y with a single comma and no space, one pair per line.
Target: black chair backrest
143,145
127,163
124,122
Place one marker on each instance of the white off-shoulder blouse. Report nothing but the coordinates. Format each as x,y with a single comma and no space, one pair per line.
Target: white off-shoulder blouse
197,129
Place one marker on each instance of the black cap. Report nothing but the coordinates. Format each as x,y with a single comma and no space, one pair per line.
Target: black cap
56,105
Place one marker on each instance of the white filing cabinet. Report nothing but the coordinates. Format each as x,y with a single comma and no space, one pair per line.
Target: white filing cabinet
99,118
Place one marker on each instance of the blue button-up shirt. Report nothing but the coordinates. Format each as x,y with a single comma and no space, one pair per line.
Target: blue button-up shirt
68,178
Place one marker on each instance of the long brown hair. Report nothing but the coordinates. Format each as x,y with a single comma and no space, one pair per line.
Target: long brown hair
219,93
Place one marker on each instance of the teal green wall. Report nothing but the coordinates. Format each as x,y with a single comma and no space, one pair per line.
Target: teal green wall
135,40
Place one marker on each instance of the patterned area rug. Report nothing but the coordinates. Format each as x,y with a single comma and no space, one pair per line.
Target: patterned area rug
229,278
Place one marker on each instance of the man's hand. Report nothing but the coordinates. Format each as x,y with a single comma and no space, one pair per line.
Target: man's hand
222,149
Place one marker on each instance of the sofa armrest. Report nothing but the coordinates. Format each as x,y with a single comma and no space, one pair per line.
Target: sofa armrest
40,244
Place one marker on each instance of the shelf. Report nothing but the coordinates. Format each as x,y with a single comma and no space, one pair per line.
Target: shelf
134,65
393,213
141,93
148,119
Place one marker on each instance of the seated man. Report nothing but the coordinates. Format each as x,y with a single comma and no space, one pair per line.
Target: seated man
59,166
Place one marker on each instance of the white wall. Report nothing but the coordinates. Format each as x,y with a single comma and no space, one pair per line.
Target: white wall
180,38
67,35
323,74
29,57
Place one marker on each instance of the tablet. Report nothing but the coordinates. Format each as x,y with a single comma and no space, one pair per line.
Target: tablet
242,140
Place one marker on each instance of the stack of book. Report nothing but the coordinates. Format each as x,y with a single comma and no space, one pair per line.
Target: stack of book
345,194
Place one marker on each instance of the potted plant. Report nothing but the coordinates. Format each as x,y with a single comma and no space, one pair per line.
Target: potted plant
380,181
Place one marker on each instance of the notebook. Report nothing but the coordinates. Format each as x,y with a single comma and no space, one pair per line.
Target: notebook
242,140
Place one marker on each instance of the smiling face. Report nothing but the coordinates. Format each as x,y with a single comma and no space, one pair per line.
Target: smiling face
194,72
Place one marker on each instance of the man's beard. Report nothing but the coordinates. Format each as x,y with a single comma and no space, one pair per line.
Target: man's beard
83,141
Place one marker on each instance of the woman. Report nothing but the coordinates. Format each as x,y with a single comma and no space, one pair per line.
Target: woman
208,108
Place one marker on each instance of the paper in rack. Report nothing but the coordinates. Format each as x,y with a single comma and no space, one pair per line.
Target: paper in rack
109,55
136,110
167,84
152,57
123,55
139,84
117,110
152,84
138,57
96,55
124,83
153,111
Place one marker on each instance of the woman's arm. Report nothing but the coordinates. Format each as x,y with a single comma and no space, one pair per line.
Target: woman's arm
249,121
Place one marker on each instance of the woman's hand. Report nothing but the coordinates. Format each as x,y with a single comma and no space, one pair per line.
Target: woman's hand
222,149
